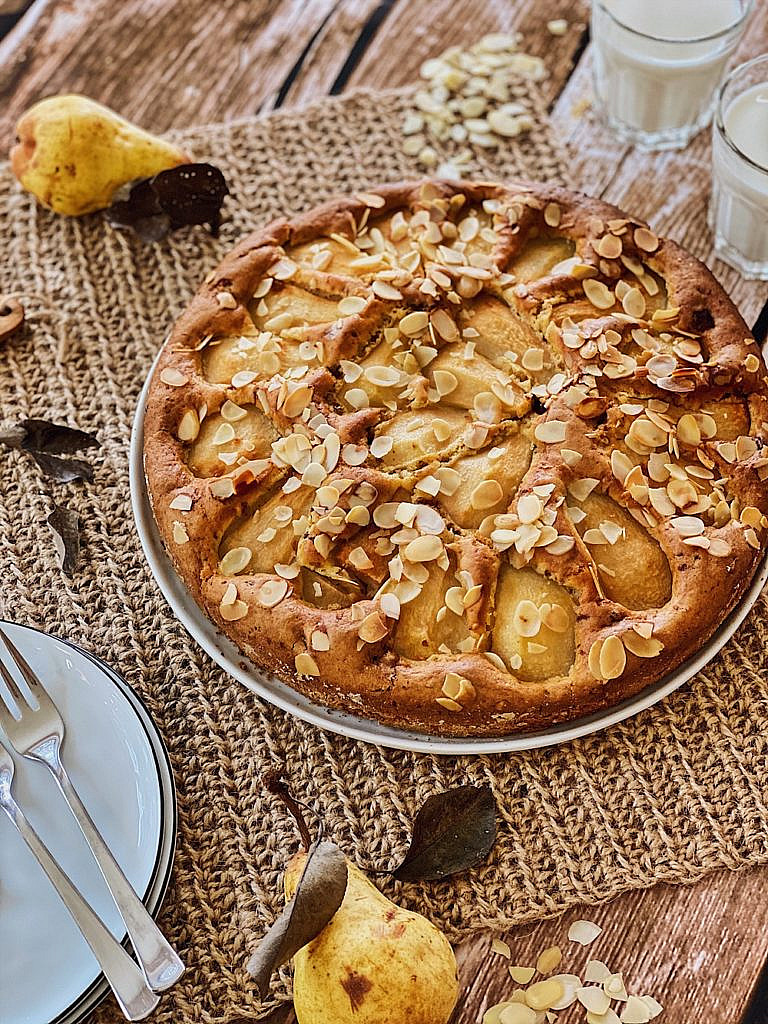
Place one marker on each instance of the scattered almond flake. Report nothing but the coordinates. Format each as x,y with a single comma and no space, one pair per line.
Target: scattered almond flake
226,300
283,270
570,457
526,620
180,534
235,560
305,664
243,378
654,1007
351,304
372,628
593,998
381,446
636,1011
234,611
609,1017
521,975
557,27
533,360
371,199
222,488
633,303
288,572
181,503
189,426
582,488
597,971
445,382
583,932
598,294
385,290
225,433
641,647
613,986
552,214
272,592
646,240
688,526
544,994
549,959
173,377
413,324
561,545
444,325
751,363
550,432
423,549
353,455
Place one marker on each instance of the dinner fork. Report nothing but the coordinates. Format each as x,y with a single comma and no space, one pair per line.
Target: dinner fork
133,995
38,734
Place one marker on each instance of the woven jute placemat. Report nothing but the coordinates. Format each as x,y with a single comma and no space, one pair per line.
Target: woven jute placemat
678,791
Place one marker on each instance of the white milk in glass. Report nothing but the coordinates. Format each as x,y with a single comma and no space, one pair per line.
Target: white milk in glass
739,207
658,64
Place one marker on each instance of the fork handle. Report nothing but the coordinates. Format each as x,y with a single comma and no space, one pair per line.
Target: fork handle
126,980
161,964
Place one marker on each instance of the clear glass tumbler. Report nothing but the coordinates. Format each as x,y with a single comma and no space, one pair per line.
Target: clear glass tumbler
738,208
657,65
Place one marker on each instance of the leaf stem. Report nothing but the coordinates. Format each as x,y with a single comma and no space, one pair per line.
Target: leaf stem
275,784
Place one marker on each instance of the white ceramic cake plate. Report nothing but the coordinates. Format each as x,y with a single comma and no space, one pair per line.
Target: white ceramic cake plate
233,660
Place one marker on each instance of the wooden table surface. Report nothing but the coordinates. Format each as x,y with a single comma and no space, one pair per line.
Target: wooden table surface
170,63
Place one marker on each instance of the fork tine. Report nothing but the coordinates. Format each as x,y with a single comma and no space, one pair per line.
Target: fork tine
13,687
23,666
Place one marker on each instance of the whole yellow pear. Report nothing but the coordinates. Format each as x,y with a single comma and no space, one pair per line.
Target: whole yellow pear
73,153
373,963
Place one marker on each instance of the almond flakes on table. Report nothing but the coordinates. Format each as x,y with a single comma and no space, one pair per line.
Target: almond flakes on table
601,995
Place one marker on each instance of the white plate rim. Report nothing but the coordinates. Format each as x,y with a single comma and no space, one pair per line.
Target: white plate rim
274,691
162,870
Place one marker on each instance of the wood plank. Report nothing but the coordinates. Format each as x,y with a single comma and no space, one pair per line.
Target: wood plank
668,189
697,949
164,65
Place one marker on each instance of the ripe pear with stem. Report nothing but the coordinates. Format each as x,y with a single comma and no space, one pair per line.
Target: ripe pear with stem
374,962
72,154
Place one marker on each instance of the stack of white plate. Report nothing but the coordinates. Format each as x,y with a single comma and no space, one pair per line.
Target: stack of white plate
120,766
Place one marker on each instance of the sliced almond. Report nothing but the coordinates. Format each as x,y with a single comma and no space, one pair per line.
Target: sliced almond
173,377
189,426
583,932
272,592
551,432
305,664
598,293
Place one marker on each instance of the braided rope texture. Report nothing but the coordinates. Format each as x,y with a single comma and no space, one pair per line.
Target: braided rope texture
678,791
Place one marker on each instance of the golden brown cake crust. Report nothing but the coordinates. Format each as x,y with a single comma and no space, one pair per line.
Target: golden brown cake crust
622,439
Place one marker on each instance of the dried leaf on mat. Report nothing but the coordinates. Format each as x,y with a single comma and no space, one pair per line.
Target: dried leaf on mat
46,442
452,832
183,195
64,523
318,896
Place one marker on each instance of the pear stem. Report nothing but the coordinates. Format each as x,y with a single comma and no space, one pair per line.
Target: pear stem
275,784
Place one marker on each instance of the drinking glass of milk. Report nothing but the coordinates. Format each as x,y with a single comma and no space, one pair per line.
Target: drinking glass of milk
658,63
738,209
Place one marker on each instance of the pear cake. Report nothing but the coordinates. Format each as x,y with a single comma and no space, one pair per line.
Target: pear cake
460,457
